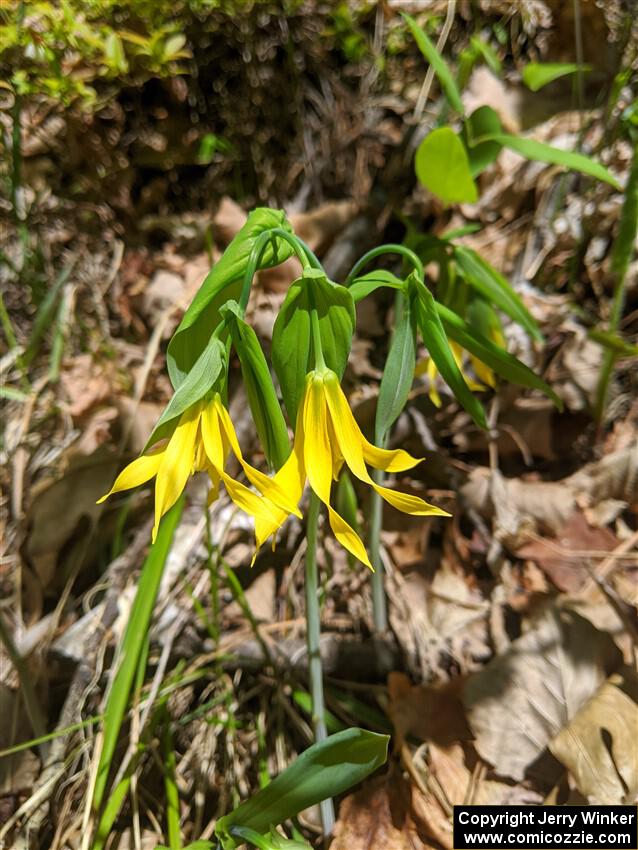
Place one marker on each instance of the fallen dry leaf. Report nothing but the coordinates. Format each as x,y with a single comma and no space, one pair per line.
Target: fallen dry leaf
523,698
522,506
599,747
378,816
564,557
431,713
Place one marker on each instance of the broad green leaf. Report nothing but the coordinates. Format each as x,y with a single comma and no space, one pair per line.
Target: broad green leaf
324,770
538,74
442,166
222,283
484,121
262,397
436,342
531,149
494,288
132,645
438,63
365,285
398,372
292,353
197,383
497,358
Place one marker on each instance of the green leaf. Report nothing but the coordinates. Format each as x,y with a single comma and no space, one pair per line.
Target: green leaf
497,358
292,353
438,63
484,121
538,74
132,645
324,770
442,166
612,342
398,372
531,149
488,53
222,283
262,396
365,285
436,342
197,383
494,288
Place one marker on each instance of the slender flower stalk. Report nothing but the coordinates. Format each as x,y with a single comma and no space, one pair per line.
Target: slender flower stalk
202,440
313,638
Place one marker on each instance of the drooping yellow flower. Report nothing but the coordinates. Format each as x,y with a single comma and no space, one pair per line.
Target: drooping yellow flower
326,436
202,440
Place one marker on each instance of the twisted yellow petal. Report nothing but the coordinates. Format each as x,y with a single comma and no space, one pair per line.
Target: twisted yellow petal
269,487
351,444
318,460
177,464
141,470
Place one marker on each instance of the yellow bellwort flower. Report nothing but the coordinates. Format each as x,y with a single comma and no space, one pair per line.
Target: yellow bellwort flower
326,436
428,366
202,440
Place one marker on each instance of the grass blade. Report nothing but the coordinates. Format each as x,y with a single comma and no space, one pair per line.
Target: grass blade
439,64
132,646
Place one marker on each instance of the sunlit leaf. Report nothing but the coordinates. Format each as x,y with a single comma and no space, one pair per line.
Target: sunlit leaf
538,74
443,167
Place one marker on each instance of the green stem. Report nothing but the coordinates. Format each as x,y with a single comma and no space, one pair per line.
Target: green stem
303,252
390,248
379,601
320,363
313,628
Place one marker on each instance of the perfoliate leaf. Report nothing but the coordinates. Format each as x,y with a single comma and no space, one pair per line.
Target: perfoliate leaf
398,372
262,397
292,352
497,358
538,74
324,770
442,166
531,149
494,288
438,63
201,378
436,342
222,283
365,285
484,121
